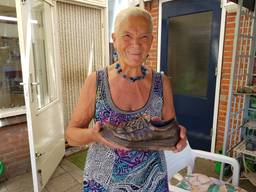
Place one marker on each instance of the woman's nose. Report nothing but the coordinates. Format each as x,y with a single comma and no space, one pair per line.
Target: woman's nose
136,42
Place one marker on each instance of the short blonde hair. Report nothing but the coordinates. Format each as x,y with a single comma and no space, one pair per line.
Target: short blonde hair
132,11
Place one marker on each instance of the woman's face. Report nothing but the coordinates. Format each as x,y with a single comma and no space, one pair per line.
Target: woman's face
133,41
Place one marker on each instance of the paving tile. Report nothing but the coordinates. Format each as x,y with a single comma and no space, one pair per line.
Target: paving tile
20,183
76,188
61,183
78,175
66,176
45,190
68,166
59,171
3,188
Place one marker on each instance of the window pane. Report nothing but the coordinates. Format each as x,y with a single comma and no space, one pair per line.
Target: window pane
11,92
43,54
188,53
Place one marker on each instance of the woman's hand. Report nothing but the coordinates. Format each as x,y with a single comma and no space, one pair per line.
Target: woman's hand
99,139
183,140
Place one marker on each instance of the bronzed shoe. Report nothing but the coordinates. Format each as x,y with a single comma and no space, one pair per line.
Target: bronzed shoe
143,134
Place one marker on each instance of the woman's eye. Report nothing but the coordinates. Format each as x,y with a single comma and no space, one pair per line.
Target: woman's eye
126,37
144,38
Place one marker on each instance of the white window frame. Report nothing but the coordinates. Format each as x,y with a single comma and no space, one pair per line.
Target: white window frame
12,111
9,112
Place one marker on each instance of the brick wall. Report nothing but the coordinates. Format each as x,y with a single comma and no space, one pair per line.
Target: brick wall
152,7
14,149
225,77
237,103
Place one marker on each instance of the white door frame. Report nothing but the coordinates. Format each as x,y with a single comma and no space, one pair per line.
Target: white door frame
219,64
37,115
24,47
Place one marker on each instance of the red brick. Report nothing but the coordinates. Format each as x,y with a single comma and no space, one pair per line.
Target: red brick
230,25
14,149
230,19
230,31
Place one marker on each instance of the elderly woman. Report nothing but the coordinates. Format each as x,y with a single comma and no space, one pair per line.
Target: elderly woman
120,93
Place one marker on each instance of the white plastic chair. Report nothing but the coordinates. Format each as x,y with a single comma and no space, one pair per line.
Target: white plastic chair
186,158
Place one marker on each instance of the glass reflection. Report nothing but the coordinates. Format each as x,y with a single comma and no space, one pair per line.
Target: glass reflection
11,92
188,53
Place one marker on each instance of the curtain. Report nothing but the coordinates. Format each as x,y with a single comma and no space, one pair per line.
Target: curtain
81,49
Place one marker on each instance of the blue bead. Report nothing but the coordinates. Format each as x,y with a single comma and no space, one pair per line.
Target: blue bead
117,66
132,79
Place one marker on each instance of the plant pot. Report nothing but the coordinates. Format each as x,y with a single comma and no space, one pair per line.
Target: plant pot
2,168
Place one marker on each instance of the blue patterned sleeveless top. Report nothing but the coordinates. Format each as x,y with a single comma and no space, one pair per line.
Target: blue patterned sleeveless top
110,169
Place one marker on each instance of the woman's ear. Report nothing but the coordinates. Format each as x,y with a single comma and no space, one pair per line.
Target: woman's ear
152,38
113,35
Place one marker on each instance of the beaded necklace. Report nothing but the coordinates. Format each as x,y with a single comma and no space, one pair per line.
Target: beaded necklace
132,79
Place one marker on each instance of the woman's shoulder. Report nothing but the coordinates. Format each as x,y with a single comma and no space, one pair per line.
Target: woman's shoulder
160,75
103,70
91,77
90,81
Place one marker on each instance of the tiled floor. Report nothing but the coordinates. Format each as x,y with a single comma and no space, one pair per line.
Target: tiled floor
67,177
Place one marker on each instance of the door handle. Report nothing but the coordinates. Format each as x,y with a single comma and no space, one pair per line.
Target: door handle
35,83
38,155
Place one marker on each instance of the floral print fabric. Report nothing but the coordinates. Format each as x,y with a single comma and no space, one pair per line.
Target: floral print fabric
116,170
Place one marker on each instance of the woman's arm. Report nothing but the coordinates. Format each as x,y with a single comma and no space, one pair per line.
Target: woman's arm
77,132
168,112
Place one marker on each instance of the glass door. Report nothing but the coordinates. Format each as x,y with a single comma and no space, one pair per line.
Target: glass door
41,80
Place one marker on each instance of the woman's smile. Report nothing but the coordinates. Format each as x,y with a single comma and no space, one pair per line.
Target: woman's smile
133,41
134,54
